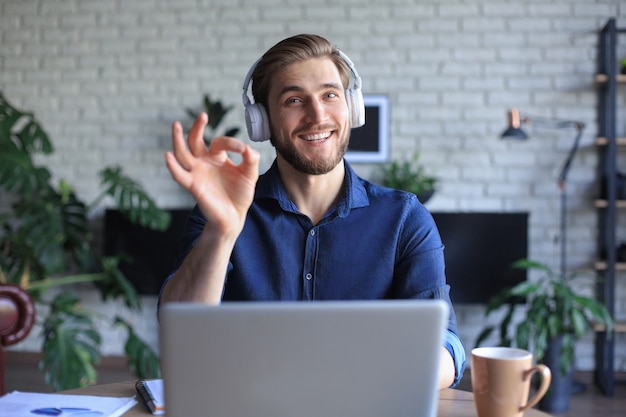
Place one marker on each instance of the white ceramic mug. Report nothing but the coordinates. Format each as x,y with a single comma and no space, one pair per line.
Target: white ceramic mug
501,381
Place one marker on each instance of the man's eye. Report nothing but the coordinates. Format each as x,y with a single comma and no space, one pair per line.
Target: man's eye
293,100
331,95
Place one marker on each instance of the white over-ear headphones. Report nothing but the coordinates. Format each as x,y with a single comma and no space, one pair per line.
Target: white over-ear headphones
257,121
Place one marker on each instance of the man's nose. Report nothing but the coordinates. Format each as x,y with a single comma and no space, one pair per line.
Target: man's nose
316,112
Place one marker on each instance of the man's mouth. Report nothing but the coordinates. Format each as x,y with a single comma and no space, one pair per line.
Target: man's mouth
316,137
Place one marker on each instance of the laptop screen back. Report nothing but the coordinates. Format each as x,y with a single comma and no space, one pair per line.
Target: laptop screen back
357,358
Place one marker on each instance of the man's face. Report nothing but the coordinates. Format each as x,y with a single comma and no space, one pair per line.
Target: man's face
308,115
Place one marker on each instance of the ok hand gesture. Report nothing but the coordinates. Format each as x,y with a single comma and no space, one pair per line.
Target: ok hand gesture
223,190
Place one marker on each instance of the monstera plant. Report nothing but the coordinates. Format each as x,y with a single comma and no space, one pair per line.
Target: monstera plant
46,243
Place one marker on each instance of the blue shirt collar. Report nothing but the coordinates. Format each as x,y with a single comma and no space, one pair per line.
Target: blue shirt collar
270,185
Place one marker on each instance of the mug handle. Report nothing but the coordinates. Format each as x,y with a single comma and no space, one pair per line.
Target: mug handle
546,378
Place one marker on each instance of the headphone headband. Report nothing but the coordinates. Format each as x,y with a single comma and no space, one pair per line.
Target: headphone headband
246,83
355,74
257,122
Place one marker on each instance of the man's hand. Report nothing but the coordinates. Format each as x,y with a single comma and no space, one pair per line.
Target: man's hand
223,190
446,369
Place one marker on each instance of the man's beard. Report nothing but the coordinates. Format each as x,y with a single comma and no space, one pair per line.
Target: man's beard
317,167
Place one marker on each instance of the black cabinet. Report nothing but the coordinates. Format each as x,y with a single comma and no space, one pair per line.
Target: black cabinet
611,203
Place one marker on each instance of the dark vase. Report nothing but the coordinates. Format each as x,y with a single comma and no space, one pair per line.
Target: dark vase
424,196
557,399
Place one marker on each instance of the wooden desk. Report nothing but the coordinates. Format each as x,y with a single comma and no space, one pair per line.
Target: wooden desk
452,403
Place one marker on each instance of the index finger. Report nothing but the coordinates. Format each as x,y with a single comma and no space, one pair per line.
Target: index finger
196,135
226,144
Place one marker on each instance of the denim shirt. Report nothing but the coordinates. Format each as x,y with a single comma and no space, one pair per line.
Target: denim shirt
376,243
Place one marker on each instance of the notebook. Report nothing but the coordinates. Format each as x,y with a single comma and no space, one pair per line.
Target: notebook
329,358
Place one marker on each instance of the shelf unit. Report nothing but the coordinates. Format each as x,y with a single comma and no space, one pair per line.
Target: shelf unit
607,80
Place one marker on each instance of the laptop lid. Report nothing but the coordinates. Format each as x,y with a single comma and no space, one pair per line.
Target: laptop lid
330,358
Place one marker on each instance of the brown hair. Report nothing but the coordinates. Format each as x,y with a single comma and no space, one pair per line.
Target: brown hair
288,51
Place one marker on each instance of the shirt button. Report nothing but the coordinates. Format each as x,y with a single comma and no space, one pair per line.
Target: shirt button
312,232
309,276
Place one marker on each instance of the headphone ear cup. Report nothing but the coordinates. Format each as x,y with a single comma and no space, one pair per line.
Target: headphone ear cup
257,123
356,107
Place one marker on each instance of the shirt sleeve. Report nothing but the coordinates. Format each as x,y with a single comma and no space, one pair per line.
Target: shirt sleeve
191,233
454,345
422,272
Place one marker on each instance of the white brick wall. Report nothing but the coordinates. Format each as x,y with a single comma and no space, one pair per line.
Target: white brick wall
106,79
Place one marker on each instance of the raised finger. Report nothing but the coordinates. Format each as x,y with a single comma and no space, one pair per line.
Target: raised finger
196,135
180,175
226,144
181,153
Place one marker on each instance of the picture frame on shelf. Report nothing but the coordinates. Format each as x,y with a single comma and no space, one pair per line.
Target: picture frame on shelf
370,143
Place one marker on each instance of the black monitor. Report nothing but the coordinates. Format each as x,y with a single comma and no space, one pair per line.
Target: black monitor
154,253
479,251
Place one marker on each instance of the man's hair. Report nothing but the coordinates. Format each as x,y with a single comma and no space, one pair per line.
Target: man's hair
291,50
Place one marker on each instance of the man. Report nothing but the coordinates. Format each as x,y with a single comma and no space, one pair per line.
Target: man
309,228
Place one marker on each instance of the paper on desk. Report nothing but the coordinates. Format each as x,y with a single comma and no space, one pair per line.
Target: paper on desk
31,404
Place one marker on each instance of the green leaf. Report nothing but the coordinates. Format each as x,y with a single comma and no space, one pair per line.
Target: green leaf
22,128
216,111
71,345
505,339
523,335
540,340
50,237
597,310
554,325
19,174
143,361
18,262
232,132
133,201
20,136
407,175
55,229
524,289
529,264
116,285
579,322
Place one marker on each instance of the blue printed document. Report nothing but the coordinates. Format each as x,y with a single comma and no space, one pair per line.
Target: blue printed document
31,404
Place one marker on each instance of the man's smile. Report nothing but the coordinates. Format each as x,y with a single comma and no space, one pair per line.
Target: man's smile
316,137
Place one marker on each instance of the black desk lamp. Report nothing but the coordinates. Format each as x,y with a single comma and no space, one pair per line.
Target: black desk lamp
514,131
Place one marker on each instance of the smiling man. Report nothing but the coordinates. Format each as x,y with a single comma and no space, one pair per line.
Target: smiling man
309,228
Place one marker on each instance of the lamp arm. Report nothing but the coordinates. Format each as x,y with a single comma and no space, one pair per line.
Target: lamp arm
553,123
570,157
560,124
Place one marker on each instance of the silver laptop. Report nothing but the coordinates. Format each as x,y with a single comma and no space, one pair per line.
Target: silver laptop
322,359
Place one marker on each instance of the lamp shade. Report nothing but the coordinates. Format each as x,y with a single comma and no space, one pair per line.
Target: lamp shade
514,133
514,130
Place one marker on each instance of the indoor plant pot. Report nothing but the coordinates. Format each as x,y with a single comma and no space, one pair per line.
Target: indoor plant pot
409,175
557,399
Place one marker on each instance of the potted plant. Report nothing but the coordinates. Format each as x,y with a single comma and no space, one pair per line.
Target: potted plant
409,175
557,315
216,112
46,242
